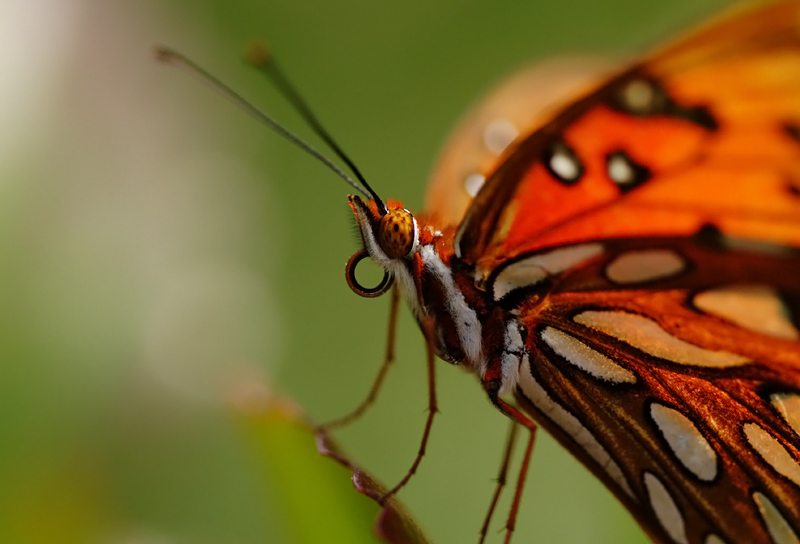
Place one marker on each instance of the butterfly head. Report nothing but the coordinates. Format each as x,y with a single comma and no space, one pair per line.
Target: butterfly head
390,237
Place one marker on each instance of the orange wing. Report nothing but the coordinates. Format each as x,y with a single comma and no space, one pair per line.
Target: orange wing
705,132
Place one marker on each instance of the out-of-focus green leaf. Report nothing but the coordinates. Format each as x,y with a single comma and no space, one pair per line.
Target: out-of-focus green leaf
316,498
394,524
61,502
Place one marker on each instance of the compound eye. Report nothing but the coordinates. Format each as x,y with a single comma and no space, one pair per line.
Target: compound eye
397,233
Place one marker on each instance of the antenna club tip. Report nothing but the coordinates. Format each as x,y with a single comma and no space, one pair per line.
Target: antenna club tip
257,53
162,53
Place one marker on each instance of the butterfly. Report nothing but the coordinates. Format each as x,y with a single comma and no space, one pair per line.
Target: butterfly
626,273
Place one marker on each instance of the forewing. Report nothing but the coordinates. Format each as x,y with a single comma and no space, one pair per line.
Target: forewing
703,132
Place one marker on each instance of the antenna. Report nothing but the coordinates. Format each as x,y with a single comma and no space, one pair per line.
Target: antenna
168,55
258,55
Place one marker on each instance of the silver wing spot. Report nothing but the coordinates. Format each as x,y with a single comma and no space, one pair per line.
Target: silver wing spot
645,265
473,184
778,528
647,335
772,451
582,356
498,135
665,508
788,404
758,308
686,441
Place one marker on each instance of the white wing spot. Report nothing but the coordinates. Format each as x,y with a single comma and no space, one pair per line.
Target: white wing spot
758,308
498,135
532,270
585,358
564,165
645,265
713,539
772,451
473,184
667,512
646,335
778,528
571,425
620,170
687,443
788,404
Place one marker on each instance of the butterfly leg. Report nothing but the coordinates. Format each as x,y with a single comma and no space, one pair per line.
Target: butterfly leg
427,328
501,478
492,387
347,419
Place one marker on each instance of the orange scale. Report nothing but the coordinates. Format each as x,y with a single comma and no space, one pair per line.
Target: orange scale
718,191
737,78
736,146
764,109
554,203
663,140
764,229
615,222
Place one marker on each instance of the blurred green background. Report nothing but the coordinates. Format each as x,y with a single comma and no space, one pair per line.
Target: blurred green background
163,255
